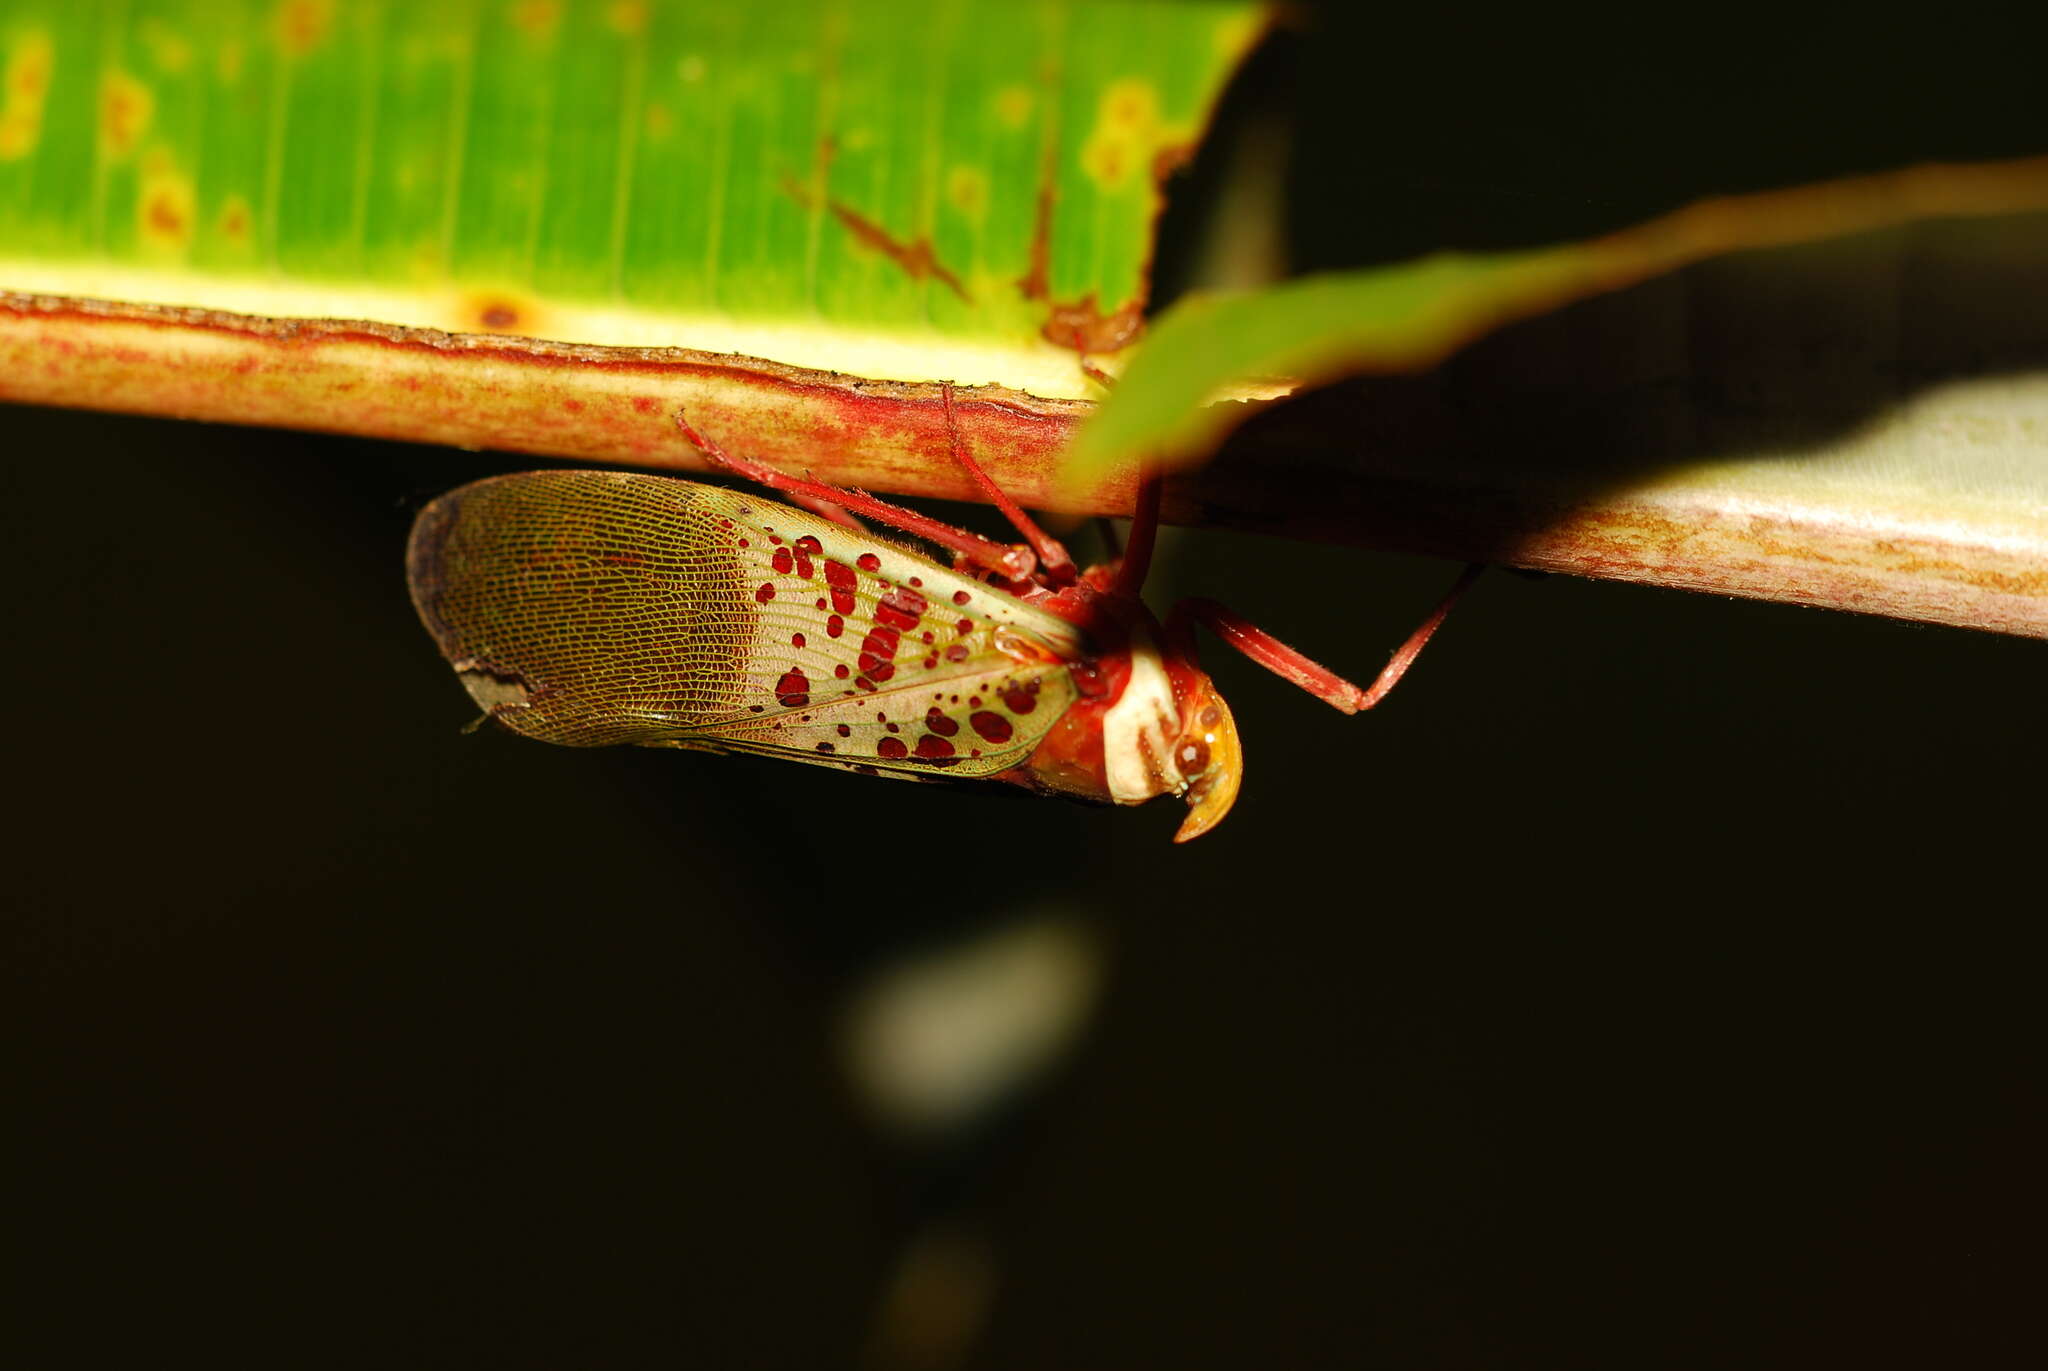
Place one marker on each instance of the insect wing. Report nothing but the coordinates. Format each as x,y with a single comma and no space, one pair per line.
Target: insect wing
602,607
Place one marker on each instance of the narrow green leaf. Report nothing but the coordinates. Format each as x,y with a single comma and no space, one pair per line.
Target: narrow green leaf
1411,316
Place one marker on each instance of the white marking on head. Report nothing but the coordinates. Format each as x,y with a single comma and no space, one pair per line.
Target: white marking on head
1140,729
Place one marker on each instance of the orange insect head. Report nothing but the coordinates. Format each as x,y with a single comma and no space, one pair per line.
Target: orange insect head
1208,758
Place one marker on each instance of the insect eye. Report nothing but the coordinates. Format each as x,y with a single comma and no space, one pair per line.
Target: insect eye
1193,757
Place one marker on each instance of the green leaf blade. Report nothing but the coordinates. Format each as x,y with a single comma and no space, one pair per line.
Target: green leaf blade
793,179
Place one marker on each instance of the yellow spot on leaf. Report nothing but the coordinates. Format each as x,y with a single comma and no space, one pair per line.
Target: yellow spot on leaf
627,16
1131,106
164,211
18,135
1107,161
1014,105
967,191
537,18
29,64
302,25
171,53
234,221
1128,137
126,106
660,123
497,311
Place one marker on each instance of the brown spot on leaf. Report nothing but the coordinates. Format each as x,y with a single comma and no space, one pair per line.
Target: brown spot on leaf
917,257
166,211
498,313
1036,283
1082,326
126,107
233,223
28,69
302,24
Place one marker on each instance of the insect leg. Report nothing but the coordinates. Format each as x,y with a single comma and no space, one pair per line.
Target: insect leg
1318,680
1052,555
1017,563
1137,557
830,509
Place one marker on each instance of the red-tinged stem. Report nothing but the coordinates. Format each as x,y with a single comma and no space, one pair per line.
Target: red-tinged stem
1052,554
1137,559
1013,562
1318,680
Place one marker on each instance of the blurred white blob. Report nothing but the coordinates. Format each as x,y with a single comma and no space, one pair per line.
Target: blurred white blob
935,1039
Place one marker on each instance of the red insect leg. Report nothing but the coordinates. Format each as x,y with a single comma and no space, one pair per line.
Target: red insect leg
1052,555
1016,563
829,509
1318,680
1097,375
1136,561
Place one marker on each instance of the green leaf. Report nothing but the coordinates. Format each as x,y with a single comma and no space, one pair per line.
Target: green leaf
889,188
1411,316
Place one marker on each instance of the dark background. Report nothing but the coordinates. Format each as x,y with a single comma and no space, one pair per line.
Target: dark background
1654,980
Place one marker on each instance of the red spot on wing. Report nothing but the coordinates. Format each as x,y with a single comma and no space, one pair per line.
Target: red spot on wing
784,563
900,609
892,747
765,593
877,651
807,547
839,579
931,745
826,747
957,652
940,723
868,561
992,727
842,671
835,625
796,640
793,691
1020,700
961,597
